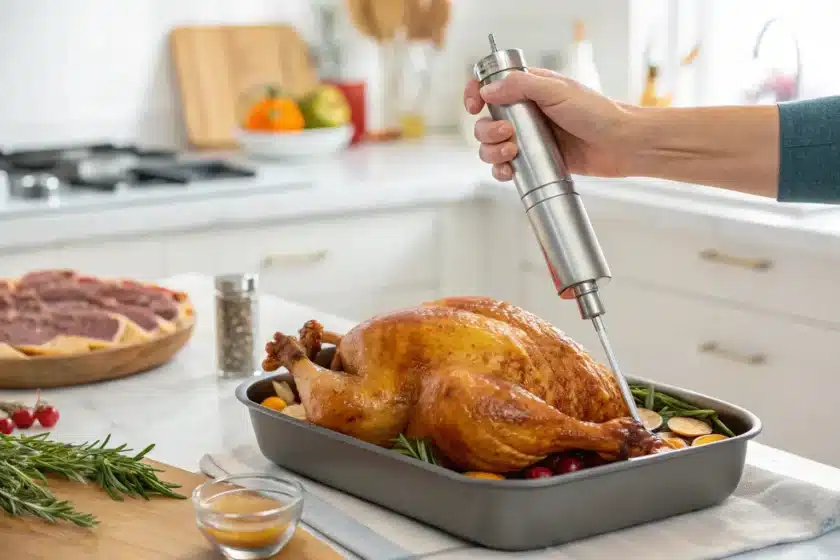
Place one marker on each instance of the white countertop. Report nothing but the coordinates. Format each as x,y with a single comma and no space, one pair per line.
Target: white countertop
186,411
383,176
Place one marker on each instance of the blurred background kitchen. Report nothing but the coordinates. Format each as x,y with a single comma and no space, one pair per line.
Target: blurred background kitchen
323,145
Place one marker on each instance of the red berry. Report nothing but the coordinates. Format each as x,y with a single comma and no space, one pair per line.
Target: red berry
538,472
6,424
23,418
47,415
568,463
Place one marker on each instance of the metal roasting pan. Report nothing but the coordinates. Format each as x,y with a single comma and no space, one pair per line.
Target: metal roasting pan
513,515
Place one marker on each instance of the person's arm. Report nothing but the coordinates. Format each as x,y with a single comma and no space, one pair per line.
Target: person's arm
789,151
736,148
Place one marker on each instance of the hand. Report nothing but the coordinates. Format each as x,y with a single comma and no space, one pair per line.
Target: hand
590,129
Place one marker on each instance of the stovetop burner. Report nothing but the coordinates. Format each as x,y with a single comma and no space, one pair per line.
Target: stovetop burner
107,167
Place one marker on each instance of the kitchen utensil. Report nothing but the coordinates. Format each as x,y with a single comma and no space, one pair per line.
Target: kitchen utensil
248,516
217,65
509,514
424,22
382,21
305,144
553,206
331,522
134,529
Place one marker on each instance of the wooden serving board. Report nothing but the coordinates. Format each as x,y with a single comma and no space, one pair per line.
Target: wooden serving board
218,66
136,529
43,372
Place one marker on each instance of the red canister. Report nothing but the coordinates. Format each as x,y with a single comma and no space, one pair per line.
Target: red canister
355,94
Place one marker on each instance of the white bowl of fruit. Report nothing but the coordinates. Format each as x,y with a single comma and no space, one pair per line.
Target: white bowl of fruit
279,126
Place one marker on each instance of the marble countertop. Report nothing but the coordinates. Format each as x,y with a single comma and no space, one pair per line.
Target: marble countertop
383,176
187,411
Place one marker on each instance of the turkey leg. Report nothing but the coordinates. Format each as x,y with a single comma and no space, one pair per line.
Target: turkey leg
336,400
481,422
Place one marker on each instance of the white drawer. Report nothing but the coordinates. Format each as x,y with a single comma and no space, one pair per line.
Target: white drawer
706,262
776,368
326,256
355,308
13,264
140,260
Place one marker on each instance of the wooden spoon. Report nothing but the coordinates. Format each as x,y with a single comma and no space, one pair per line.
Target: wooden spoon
387,17
361,17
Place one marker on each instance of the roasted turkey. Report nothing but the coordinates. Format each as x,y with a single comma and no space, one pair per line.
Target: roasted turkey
492,386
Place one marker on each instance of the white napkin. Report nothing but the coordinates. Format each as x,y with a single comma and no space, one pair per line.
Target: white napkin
766,509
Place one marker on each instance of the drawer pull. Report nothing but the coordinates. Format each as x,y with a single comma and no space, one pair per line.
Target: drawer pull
713,255
716,349
280,259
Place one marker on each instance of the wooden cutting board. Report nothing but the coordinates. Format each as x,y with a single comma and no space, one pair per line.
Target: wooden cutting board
136,529
217,65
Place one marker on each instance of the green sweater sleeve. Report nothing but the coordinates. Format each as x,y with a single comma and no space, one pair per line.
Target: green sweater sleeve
809,150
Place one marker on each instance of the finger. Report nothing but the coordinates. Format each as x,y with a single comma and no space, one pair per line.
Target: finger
497,153
503,172
492,132
545,72
472,99
519,86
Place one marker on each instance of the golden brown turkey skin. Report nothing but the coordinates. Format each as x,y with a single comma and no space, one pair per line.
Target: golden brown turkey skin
494,387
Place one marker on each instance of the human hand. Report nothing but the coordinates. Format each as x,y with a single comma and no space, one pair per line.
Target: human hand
591,130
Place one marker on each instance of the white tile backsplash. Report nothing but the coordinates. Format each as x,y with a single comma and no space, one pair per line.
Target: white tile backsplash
76,70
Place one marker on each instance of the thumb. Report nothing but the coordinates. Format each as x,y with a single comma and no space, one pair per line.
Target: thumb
518,86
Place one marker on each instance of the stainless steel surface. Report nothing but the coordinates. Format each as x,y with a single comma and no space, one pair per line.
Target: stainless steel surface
511,515
236,283
622,381
33,185
554,209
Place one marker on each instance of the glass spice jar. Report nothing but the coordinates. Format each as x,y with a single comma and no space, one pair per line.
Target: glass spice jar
237,321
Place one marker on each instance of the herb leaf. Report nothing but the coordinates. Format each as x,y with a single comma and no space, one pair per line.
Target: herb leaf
416,448
25,460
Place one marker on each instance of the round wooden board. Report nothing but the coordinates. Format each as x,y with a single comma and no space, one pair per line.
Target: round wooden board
42,372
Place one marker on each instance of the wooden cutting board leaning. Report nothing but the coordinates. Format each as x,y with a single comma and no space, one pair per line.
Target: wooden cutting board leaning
216,66
135,529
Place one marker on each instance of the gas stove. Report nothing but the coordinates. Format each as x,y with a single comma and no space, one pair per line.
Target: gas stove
106,167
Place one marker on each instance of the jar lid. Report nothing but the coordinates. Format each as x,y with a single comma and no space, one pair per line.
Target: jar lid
236,283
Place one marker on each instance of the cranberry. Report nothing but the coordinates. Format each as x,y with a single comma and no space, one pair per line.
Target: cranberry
23,418
568,463
538,472
47,415
6,424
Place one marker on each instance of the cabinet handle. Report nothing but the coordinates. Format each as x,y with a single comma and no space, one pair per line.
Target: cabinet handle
279,259
716,349
713,255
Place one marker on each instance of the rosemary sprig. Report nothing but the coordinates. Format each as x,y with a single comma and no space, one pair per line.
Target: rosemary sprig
417,448
668,407
26,460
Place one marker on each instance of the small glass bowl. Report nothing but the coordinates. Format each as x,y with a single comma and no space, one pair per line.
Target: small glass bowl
248,516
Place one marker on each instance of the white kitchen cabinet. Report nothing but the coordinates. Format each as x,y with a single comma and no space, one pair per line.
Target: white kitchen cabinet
138,259
337,264
17,263
360,307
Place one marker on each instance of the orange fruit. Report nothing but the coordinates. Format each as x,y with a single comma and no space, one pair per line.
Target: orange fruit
484,475
274,403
